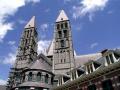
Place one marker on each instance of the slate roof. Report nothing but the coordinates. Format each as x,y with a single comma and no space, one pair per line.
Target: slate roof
82,59
2,87
41,63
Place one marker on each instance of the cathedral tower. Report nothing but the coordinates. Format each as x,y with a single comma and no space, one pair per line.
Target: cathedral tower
63,57
27,50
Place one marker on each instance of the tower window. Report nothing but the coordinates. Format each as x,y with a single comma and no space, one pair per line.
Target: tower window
60,34
61,25
61,60
62,43
64,60
58,26
66,25
65,33
28,33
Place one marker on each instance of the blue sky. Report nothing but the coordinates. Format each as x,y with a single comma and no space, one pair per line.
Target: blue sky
95,25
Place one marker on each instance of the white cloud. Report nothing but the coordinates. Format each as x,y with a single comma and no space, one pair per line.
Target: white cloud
8,8
43,45
93,45
4,28
22,21
89,7
10,57
11,42
33,1
3,82
44,26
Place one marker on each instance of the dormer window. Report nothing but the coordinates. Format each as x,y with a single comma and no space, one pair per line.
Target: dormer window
91,66
110,59
60,81
111,56
74,75
107,59
116,56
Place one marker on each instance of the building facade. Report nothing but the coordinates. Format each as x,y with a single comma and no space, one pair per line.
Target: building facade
60,68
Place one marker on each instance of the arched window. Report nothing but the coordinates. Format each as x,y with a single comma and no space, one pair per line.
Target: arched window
46,78
39,76
52,79
30,76
23,77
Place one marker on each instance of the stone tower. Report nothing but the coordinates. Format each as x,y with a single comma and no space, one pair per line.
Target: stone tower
27,53
27,50
63,55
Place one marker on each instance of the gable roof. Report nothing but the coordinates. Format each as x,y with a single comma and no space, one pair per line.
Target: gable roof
41,63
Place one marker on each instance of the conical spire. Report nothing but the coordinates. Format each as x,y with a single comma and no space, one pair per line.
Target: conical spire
31,23
62,16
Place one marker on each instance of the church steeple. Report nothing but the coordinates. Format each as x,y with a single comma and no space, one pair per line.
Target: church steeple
31,23
63,57
62,16
27,50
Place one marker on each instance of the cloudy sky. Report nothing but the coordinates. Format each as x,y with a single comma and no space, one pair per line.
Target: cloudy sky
95,25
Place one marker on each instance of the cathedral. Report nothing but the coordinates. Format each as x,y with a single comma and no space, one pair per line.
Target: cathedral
60,68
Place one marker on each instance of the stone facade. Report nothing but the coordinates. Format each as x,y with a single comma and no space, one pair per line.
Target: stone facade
60,68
